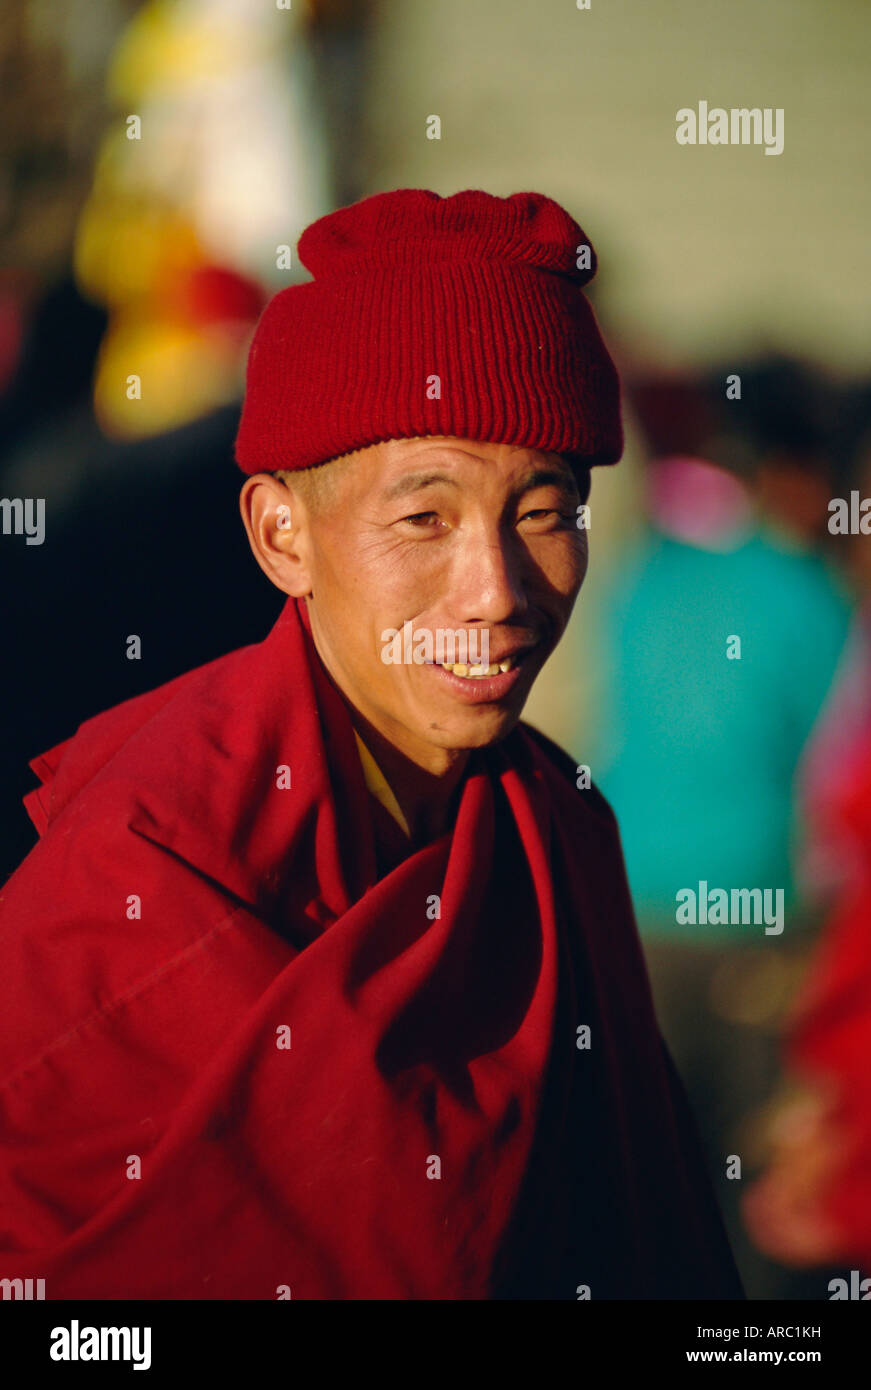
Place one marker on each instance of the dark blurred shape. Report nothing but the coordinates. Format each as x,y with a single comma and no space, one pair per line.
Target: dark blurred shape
851,441
780,435
55,362
141,538
788,407
677,413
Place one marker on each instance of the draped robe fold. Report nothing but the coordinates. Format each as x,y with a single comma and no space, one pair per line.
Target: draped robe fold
337,1085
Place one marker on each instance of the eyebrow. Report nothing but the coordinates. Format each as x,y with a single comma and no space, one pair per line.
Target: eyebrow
548,477
416,482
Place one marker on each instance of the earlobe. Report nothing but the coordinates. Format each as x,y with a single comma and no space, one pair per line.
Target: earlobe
275,524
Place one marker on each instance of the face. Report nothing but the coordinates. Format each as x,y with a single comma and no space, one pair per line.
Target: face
430,536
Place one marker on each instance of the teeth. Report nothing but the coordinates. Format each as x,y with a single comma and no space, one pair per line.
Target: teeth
461,668
475,672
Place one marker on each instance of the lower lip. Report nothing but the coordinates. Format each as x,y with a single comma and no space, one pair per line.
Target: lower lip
479,690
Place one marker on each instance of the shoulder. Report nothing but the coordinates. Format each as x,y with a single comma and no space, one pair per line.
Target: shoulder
70,766
562,774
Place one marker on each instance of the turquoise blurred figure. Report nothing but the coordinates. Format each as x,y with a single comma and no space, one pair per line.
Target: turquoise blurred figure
699,738
721,638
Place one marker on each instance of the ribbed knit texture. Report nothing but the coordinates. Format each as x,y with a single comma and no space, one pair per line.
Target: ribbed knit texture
482,292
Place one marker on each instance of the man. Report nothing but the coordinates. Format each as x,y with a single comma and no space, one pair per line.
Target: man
323,981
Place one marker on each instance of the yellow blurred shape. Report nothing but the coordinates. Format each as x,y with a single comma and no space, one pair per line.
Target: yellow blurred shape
183,374
125,249
167,45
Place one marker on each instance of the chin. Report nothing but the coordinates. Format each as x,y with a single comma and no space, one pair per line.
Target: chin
478,731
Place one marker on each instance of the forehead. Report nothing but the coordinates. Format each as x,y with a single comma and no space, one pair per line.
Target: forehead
400,465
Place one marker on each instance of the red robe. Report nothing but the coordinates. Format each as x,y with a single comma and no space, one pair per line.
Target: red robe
830,1040
432,1131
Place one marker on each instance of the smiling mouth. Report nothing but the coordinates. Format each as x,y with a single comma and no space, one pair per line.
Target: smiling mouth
472,672
459,668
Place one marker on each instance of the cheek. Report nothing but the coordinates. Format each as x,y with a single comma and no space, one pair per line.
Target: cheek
343,599
383,568
367,590
562,562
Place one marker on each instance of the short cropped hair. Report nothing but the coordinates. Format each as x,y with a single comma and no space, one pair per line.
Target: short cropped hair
317,485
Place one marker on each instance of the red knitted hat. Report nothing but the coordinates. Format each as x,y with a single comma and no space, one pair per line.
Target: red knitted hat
460,316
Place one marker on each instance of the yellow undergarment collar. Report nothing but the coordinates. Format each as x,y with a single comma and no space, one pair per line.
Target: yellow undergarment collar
378,785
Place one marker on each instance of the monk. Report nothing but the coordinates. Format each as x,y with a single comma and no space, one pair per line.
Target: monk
323,981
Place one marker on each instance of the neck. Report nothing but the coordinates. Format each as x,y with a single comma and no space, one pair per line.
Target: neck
427,798
426,791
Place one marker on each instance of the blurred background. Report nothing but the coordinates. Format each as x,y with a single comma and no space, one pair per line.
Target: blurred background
159,161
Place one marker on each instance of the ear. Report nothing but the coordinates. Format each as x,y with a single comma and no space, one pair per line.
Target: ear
277,525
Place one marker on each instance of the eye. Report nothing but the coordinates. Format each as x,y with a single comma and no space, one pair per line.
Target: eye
421,519
541,513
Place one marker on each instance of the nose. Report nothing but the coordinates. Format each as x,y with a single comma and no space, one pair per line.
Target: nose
487,581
